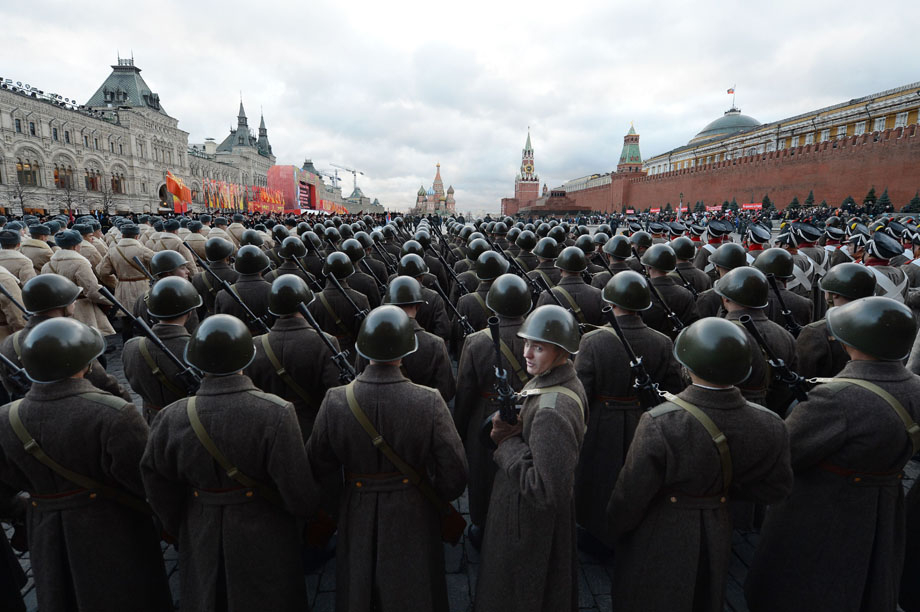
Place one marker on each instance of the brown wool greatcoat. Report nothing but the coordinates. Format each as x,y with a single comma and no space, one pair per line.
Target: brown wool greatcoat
696,277
674,529
528,551
74,266
87,553
119,261
527,260
469,280
19,265
342,322
235,231
474,308
253,290
428,366
837,543
140,376
167,241
476,399
709,304
139,310
208,287
603,369
197,241
759,387
308,361
678,299
819,353
231,545
289,267
365,285
97,376
38,251
802,308
11,318
587,297
87,250
432,315
601,279
464,265
389,554
547,270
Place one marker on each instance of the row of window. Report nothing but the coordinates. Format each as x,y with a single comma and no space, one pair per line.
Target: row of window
28,173
859,128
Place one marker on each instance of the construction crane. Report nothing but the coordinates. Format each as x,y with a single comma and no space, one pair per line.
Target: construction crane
334,177
354,173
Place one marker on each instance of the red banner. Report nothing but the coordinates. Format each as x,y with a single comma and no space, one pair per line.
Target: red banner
714,208
753,206
630,211
266,201
181,195
331,207
654,210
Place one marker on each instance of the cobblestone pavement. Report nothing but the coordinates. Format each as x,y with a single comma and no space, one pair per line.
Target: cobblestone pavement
462,561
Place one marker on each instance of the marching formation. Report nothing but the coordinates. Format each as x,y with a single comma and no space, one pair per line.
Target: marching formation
636,392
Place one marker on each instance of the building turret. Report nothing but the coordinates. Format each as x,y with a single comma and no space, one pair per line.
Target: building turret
265,148
630,158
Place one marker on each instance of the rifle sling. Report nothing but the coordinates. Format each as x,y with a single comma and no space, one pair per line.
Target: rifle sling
332,313
913,429
718,438
482,303
515,364
555,389
206,279
424,487
85,482
155,368
232,471
130,262
575,308
283,373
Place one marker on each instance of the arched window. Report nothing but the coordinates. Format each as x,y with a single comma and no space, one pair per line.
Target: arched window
63,176
118,183
93,180
27,172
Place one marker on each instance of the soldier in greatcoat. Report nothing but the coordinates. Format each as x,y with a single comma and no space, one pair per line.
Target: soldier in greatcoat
468,277
235,230
819,352
238,535
151,373
291,250
389,553
571,289
164,264
12,259
723,260
429,365
196,239
92,542
659,261
361,281
219,230
91,253
744,292
332,310
132,282
292,361
546,252
670,509
509,298
837,543
526,241
217,253
45,297
604,370
685,251
617,251
249,287
432,315
489,266
70,264
781,265
12,319
528,554
717,232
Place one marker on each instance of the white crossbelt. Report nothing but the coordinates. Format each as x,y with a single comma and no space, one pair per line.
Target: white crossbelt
887,285
821,265
802,277
711,249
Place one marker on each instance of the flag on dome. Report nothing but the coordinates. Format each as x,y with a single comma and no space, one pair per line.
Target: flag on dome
731,90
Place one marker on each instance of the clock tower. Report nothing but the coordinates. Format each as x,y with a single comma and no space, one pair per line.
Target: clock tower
527,182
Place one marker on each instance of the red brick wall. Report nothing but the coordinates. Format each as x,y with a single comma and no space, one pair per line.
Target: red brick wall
851,168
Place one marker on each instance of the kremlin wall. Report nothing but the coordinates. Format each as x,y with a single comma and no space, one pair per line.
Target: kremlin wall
747,162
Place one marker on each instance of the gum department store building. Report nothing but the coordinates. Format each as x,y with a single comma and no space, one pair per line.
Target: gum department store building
111,153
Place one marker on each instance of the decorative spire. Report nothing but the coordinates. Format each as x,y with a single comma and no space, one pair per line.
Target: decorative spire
527,145
241,116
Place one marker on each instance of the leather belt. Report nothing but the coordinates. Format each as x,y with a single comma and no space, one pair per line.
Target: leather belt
380,482
224,497
132,279
690,502
67,500
862,478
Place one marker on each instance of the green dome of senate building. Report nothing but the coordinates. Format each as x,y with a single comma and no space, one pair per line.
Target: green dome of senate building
730,123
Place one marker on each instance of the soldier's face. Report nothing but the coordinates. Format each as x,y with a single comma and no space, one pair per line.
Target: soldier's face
540,356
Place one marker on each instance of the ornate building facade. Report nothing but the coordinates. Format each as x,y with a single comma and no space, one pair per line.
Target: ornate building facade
435,200
112,153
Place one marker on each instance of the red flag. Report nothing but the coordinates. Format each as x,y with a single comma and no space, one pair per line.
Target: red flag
731,90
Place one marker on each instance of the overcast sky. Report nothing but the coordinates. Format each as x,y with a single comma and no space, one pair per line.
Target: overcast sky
392,88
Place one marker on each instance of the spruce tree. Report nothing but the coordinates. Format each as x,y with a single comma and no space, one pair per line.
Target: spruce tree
794,204
810,200
884,202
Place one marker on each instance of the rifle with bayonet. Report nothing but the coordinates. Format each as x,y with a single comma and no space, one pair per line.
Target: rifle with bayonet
360,313
545,288
314,285
15,302
536,287
791,325
16,375
676,324
507,398
253,317
460,286
646,389
381,287
465,324
385,258
189,378
339,358
444,244
687,284
781,371
140,265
